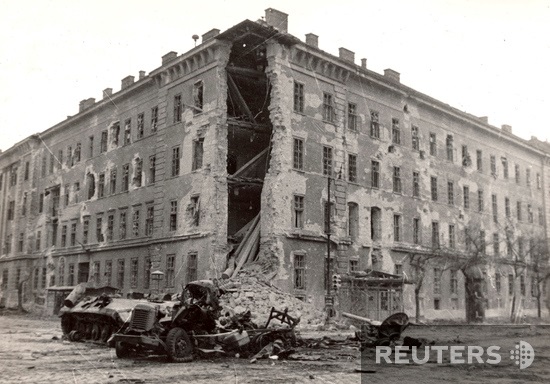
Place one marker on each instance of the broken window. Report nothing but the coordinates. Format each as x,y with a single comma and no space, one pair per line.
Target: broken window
91,185
353,221
91,146
493,166
85,229
198,151
415,138
134,267
113,181
76,193
539,184
73,234
298,97
198,102
375,174
44,166
60,273
175,161
482,243
24,204
154,118
528,177
522,284
480,204
518,211
327,161
110,227
140,125
495,208
66,190
21,242
328,214
395,131
498,283
298,154
352,117
122,225
127,131
433,144
38,240
192,266
437,282
135,223
416,231
396,179
103,142
328,108
507,207
454,281
530,213
450,193
170,270
64,236
435,234
352,168
376,223
504,167
125,177
27,170
396,228
98,230
374,125
452,236
60,159
298,212
466,196
52,162
108,272
450,148
177,108
299,271
70,279
138,168
433,187
194,210
466,160
479,160
354,265
149,220
173,215
120,274
146,272
517,174
152,169
115,133
416,184
496,244
101,186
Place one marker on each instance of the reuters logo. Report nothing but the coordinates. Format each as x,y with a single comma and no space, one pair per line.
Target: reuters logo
523,354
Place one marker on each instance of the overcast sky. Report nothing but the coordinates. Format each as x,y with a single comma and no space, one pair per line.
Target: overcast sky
486,57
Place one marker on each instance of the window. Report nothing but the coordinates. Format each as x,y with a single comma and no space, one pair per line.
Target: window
122,225
85,229
541,217
495,208
415,138
299,271
327,161
76,192
127,131
27,170
125,177
528,177
376,223
198,150
522,285
466,160
11,210
437,303
517,173
435,234
521,255
140,125
191,267
539,182
59,159
108,272
146,272
466,196
120,274
64,236
433,185
416,231
76,157
194,210
493,166
496,244
395,131
298,212
433,144
328,215
115,133
1,180
507,207
7,244
5,279
374,125
518,211
149,220
398,269
135,223
103,142
152,169
452,236
110,227
416,184
298,97
170,270
138,175
44,166
375,174
173,215
90,180
328,108
396,179
530,218
352,168
298,154
198,97
396,228
60,273
175,161
177,108
504,167
98,232
450,193
454,281
510,284
24,204
450,148
482,243
70,278
498,283
113,181
66,191
353,221
437,281
354,265
52,162
21,242
352,117
95,272
101,186
154,118
73,235
509,244
479,160
13,176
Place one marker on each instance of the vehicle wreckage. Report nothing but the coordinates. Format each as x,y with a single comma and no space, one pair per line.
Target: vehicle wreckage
195,325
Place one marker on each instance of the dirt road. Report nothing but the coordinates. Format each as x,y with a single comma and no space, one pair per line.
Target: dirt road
32,351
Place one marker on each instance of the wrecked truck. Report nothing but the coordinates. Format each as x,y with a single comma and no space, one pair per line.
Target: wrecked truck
196,325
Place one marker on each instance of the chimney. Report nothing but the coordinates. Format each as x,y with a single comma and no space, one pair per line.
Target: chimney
364,63
85,104
534,138
126,82
81,105
312,39
484,119
346,54
141,74
507,128
169,57
277,19
107,92
391,75
210,35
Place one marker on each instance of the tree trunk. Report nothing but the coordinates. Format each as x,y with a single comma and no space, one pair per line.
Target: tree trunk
475,299
513,309
417,304
539,312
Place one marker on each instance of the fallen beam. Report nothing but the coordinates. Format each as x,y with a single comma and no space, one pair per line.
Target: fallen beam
360,318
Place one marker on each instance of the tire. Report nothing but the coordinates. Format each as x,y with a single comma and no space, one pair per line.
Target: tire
179,347
122,350
96,333
105,332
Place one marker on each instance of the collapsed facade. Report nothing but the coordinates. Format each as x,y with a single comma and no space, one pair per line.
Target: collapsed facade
168,173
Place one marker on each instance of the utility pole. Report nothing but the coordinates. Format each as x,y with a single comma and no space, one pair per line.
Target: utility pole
329,301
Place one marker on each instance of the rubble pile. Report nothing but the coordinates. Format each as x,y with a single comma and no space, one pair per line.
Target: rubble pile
254,294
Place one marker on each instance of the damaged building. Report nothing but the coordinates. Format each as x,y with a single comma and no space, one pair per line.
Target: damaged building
254,135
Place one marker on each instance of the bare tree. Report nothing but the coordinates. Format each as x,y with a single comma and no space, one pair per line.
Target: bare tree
538,264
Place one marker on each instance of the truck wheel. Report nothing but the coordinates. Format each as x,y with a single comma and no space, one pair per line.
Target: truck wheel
122,350
179,347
